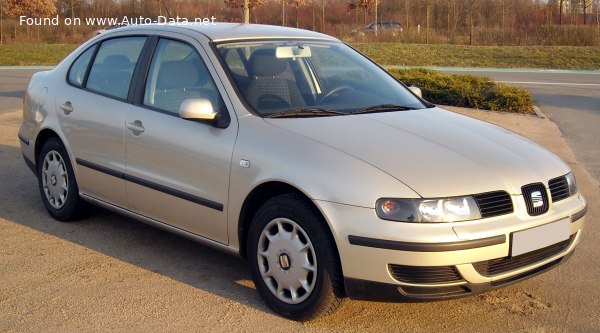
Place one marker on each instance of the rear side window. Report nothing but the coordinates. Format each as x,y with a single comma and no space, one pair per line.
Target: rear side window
79,67
113,66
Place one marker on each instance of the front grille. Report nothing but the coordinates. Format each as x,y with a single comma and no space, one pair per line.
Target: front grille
559,188
506,264
494,203
536,198
424,274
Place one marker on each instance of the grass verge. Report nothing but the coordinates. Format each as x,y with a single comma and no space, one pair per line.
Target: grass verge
34,54
546,57
466,91
549,57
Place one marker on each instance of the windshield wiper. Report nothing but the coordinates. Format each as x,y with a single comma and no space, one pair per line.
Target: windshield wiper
306,112
384,108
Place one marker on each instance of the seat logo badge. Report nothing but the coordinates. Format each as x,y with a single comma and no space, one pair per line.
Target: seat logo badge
284,261
536,199
244,163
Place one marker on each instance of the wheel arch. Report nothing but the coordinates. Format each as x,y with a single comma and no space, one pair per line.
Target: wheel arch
258,196
44,135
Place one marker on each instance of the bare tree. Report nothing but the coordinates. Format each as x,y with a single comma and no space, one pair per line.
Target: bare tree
297,4
561,5
470,7
585,4
427,15
1,21
323,16
246,5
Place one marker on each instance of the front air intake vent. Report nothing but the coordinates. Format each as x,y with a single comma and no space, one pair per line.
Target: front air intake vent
536,198
494,203
559,188
425,274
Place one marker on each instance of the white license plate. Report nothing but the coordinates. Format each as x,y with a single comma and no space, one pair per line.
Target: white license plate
539,237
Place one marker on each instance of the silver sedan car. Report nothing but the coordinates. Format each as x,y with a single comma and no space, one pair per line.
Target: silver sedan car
294,151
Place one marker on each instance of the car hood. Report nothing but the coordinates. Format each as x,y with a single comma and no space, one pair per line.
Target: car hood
433,151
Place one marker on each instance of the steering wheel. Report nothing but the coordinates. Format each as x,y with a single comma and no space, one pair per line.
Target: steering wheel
269,101
334,91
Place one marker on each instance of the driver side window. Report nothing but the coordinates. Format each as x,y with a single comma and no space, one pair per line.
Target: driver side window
178,73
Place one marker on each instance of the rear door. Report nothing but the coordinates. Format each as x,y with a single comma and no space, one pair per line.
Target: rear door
177,169
92,107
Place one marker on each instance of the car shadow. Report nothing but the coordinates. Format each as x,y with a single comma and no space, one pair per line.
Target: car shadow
125,239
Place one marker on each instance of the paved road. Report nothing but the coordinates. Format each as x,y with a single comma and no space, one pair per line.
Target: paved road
570,99
13,83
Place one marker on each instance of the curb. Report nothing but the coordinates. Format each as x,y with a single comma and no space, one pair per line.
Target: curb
538,112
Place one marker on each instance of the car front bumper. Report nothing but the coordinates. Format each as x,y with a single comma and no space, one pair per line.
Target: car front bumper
395,261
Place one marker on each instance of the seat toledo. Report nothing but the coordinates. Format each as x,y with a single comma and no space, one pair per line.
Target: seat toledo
292,150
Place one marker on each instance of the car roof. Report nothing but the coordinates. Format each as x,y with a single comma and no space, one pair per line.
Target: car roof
235,31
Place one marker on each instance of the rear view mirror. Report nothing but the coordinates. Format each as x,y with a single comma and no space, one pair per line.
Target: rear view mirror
197,109
416,91
298,51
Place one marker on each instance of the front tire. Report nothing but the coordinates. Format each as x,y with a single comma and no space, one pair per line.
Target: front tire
293,259
57,183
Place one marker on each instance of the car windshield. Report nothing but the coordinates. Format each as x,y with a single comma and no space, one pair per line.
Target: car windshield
309,79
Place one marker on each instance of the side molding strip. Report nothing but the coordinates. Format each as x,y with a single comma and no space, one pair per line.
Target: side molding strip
152,185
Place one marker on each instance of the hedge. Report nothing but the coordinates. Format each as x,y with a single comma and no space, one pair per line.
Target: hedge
466,90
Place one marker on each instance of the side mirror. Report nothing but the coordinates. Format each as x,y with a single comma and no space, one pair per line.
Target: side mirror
201,109
197,109
416,91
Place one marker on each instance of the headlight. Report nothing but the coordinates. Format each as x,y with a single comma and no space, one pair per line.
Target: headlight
572,183
428,210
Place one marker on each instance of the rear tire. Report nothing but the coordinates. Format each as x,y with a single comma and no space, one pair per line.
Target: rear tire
57,183
293,259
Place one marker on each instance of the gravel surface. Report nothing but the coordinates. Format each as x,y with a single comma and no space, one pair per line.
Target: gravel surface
110,273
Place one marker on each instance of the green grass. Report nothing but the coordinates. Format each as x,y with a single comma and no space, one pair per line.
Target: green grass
548,57
466,90
34,54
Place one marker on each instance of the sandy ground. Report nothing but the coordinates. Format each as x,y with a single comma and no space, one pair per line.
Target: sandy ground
110,273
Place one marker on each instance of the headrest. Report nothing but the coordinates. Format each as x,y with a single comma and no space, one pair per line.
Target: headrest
264,63
117,62
179,74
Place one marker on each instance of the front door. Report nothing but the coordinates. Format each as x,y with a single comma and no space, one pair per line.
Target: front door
177,169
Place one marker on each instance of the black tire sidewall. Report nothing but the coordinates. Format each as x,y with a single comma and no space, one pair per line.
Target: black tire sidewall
72,208
309,220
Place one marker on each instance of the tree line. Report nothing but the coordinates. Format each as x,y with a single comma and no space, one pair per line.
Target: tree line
497,22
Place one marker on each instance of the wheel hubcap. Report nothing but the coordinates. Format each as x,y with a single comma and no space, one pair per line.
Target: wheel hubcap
287,261
55,179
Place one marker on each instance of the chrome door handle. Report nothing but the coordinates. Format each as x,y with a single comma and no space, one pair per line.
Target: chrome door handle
136,127
67,107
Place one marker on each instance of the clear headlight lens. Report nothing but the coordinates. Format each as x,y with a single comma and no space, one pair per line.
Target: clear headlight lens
572,183
428,210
